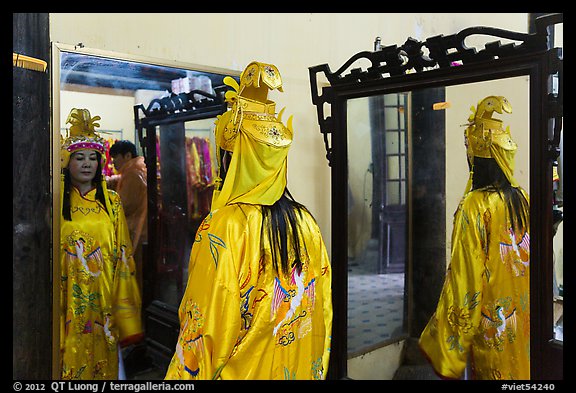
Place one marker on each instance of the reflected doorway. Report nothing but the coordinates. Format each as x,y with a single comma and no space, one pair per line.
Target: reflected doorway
377,211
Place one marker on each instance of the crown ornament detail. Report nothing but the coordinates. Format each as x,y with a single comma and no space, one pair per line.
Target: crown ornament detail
251,110
483,130
81,135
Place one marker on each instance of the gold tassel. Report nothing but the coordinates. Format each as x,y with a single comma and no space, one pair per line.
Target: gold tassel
28,62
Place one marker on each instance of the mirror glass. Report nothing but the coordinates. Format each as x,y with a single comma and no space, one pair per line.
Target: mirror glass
114,87
110,88
558,211
407,171
377,196
558,233
185,168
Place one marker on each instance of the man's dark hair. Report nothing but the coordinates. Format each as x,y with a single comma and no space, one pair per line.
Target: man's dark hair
123,147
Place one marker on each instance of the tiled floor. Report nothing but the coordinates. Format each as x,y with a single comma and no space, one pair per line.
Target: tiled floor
375,308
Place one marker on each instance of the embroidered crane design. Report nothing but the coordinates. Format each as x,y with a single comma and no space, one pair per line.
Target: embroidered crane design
495,323
516,254
286,301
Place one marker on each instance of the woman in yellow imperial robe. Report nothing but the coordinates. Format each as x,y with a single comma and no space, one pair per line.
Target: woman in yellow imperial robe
99,298
254,306
483,314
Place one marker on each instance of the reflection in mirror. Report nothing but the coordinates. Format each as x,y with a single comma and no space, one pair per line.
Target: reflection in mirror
558,212
112,86
461,98
377,175
383,161
512,296
558,233
186,179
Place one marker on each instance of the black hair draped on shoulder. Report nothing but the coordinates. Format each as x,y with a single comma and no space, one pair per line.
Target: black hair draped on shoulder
281,221
68,184
489,176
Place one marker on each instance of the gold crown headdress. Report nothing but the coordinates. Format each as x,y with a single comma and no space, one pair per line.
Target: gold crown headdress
251,108
485,136
257,137
81,135
483,130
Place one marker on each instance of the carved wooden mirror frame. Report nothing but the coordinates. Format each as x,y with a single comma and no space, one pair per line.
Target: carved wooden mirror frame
450,62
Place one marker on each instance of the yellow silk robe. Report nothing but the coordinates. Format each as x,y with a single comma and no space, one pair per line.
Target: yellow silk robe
238,319
484,307
99,299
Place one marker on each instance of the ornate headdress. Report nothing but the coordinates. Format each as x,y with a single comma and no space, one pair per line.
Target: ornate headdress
81,135
485,137
257,138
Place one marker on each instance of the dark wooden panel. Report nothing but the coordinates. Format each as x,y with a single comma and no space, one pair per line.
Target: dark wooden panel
162,328
31,263
428,205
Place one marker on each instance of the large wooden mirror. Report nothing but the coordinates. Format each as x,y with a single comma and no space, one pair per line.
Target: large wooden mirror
137,99
392,121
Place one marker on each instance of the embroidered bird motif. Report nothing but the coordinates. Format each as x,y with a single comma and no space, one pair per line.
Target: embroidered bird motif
295,300
516,253
92,262
286,301
497,324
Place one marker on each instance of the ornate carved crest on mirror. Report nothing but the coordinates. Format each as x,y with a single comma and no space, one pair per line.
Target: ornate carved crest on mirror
389,119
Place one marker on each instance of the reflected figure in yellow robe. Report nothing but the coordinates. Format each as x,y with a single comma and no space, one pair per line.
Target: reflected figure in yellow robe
258,300
483,313
99,297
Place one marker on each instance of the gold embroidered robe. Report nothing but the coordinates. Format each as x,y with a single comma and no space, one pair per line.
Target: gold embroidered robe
238,319
99,299
484,307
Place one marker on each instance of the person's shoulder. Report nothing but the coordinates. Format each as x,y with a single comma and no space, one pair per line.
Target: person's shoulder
476,200
524,193
237,216
481,200
308,218
238,209
113,195
139,163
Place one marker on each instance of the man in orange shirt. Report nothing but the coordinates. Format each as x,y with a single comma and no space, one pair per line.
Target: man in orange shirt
132,187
